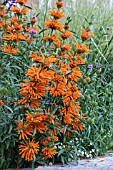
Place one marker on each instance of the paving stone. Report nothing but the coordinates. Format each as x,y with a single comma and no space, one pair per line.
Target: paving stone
105,163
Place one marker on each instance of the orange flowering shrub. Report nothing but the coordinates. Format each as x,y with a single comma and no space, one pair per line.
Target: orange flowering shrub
49,117
50,95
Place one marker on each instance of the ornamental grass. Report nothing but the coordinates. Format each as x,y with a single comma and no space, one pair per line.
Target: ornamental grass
40,91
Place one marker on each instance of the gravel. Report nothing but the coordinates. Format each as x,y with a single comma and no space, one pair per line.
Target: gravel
99,163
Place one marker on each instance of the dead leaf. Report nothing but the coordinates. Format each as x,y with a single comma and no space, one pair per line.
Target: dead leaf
87,160
101,156
101,160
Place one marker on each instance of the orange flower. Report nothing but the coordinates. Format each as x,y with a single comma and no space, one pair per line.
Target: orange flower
21,2
33,118
14,51
57,14
18,27
6,49
49,152
85,79
2,23
18,11
80,127
33,21
65,47
21,37
75,75
14,19
41,127
9,49
54,24
44,141
81,49
80,60
66,34
49,60
24,130
33,28
53,38
66,26
8,37
2,12
86,34
59,4
67,119
1,102
28,150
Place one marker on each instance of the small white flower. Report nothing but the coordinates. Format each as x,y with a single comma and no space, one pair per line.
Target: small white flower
50,164
90,155
85,153
69,159
59,147
82,153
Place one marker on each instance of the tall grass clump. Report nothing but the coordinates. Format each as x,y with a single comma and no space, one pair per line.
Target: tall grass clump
39,89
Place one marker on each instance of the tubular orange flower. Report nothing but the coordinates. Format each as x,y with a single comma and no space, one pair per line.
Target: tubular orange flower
66,34
9,49
66,26
6,49
59,4
54,24
18,11
14,19
24,130
14,51
49,152
33,21
80,60
65,47
81,49
2,12
30,118
2,23
86,34
8,37
41,127
33,28
21,2
21,37
75,75
18,27
28,150
53,38
57,14
1,102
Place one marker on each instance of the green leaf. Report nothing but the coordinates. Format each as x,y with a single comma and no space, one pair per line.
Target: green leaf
10,128
61,152
6,137
35,130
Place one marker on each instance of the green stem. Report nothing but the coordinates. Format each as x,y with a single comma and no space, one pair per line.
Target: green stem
33,167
